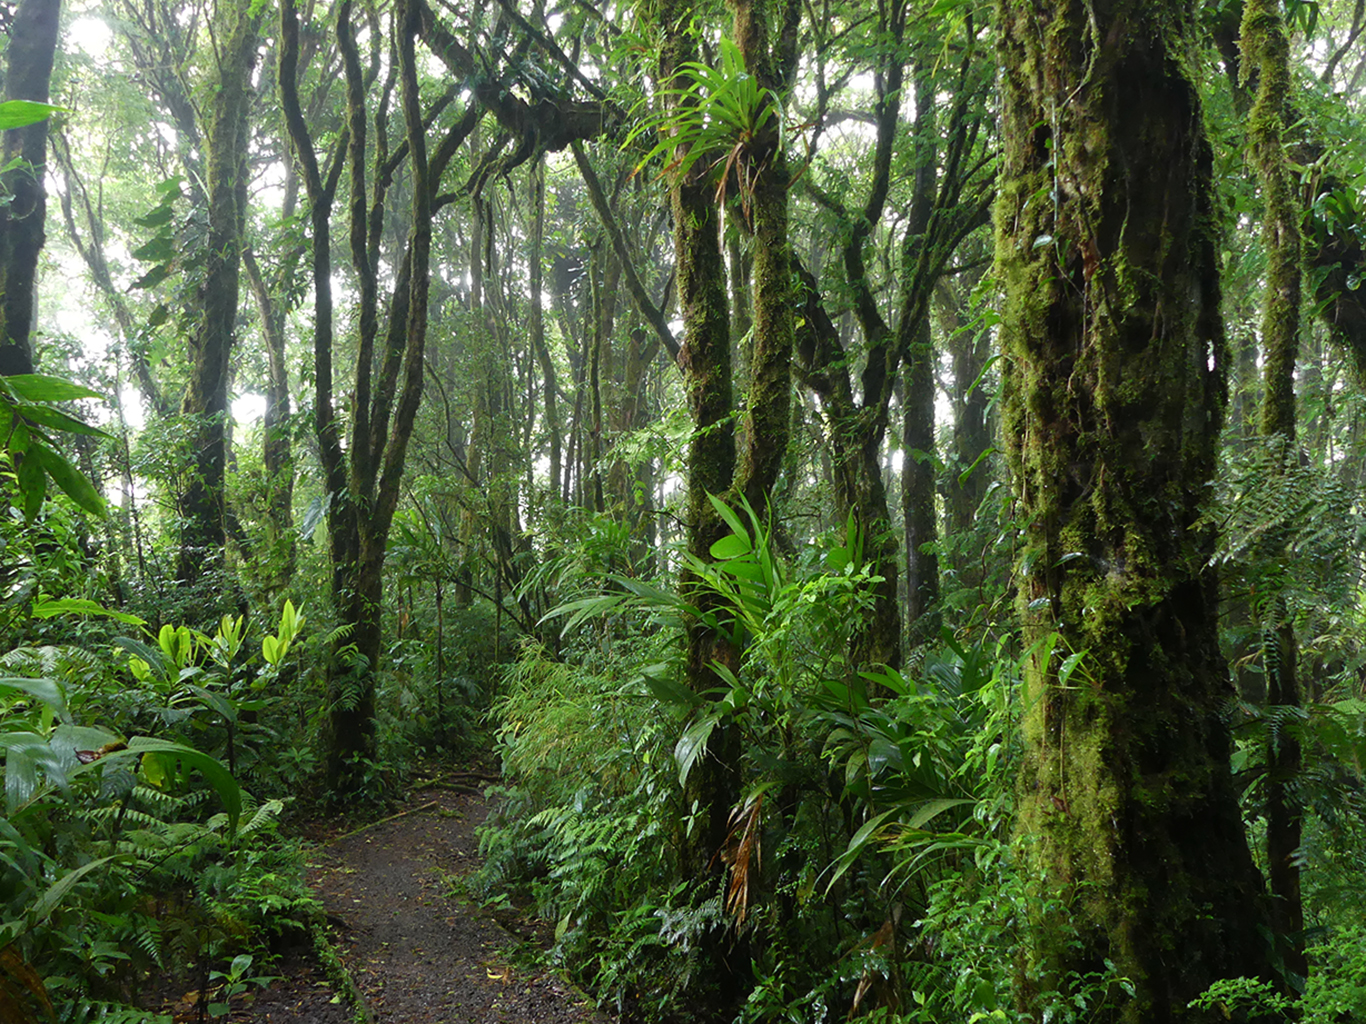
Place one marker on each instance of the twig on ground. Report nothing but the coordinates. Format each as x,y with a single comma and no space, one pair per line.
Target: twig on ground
411,810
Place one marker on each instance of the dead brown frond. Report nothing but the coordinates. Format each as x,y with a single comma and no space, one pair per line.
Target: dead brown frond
743,854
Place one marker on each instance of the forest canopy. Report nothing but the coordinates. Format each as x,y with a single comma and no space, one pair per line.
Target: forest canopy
884,481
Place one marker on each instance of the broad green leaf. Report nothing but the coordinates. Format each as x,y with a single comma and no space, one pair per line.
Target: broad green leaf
22,113
45,690
665,689
49,607
729,516
212,770
78,746
882,753
731,547
32,483
158,249
21,767
933,808
215,702
25,753
692,744
651,595
158,217
857,842
154,659
77,487
38,387
153,277
51,899
1069,666
58,420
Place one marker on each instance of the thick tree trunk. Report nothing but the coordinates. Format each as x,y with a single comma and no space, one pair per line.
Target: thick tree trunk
205,404
28,71
1114,357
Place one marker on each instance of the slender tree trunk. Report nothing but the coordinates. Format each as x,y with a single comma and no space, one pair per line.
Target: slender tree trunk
918,492
202,502
705,362
918,440
1115,388
28,58
277,452
549,382
1266,50
971,401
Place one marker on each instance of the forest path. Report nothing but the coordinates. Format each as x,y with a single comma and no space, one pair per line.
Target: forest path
419,953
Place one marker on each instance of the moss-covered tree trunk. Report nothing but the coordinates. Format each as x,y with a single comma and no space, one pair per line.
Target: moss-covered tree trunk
766,33
205,403
1114,377
277,450
705,362
1266,52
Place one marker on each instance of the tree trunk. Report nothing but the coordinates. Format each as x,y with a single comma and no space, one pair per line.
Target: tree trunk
363,479
705,362
277,452
918,441
205,404
971,402
1266,49
28,71
549,383
1115,384
918,492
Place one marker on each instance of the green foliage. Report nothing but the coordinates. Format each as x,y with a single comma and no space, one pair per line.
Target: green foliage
587,828
869,858
721,115
1336,989
28,405
97,823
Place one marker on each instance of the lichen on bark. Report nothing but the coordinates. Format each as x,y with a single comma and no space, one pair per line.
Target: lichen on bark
1113,400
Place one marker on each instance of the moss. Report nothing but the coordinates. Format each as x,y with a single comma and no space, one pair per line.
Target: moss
1111,414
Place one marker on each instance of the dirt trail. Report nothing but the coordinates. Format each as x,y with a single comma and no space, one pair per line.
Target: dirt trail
419,954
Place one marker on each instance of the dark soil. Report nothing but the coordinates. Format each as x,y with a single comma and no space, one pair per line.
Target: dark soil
418,951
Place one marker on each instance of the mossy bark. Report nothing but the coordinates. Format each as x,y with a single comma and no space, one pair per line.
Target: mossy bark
765,31
1266,53
205,404
1114,395
363,478
277,451
705,362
